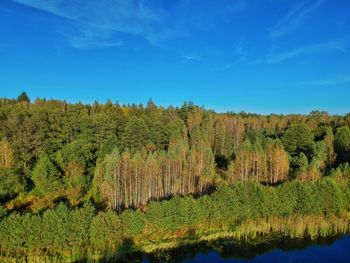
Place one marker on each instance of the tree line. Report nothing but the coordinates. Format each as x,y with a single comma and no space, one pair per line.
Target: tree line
123,156
79,179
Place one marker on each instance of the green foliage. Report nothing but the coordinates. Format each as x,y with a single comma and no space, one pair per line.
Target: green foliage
55,230
342,144
187,143
321,131
133,222
74,176
254,136
79,225
3,211
10,182
23,97
106,229
167,215
299,139
12,233
45,176
321,153
158,134
190,212
230,207
301,162
136,134
108,146
49,151
224,205
80,151
330,196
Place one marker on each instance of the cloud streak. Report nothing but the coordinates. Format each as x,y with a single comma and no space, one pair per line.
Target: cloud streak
320,48
97,23
192,57
240,55
294,18
337,81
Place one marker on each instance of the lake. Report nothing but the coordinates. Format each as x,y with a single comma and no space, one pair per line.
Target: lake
336,249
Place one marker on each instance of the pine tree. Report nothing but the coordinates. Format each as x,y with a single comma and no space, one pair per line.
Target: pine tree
136,134
45,176
297,139
342,144
23,97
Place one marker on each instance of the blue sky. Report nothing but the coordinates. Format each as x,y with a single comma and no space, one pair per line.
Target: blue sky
262,56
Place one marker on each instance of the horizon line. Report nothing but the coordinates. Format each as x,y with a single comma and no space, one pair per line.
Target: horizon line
178,106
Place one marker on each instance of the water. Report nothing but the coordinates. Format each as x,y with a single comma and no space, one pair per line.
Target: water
328,250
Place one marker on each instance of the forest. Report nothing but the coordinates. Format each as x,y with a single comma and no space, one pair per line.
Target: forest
82,181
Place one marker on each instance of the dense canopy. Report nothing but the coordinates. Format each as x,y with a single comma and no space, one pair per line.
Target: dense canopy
100,169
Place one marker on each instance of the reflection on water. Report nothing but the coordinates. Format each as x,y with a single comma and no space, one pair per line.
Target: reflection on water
326,250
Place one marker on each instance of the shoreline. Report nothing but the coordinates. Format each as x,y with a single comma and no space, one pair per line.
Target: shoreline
313,232
264,235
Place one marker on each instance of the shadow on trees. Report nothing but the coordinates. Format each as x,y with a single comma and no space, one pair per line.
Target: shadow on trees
221,161
6,197
124,253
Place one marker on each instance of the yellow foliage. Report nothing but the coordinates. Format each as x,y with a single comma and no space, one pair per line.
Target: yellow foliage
6,154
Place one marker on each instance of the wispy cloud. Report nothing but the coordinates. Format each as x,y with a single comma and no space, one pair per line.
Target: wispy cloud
241,52
88,43
320,48
240,57
328,82
342,49
97,23
275,57
255,62
192,57
294,18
